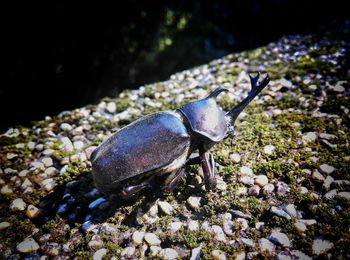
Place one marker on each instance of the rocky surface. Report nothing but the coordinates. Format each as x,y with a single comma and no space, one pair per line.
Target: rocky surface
284,182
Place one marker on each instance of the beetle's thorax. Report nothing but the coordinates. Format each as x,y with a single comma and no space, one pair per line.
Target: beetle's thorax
206,119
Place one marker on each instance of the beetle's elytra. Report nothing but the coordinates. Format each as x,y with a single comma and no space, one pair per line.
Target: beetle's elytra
161,144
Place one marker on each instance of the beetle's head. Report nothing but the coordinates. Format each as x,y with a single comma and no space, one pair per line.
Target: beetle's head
209,123
206,118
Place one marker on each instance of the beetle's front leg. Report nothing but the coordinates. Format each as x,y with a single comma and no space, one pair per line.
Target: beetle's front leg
173,180
130,191
208,166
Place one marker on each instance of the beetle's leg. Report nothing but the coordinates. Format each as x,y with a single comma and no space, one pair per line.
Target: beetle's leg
173,180
129,191
193,160
208,166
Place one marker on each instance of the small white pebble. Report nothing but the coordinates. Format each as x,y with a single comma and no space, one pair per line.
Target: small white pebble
344,194
300,226
175,226
27,246
235,157
99,254
168,254
47,161
326,168
152,239
194,202
4,225
137,237
244,170
218,255
18,205
165,207
261,180
6,190
268,149
321,246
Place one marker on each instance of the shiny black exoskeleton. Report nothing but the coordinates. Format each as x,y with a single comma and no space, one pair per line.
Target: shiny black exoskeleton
161,144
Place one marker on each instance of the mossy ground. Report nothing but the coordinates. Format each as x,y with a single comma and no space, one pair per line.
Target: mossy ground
280,118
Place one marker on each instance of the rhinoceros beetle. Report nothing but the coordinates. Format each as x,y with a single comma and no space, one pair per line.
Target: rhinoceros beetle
161,144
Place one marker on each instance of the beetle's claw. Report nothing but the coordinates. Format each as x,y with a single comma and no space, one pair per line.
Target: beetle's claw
254,79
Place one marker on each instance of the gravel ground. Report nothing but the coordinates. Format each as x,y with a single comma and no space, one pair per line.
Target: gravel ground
283,188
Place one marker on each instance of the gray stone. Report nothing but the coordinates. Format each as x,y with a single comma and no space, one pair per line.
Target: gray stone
344,194
111,107
254,190
300,255
99,254
268,189
218,255
27,246
218,233
66,127
49,172
242,222
78,145
66,145
240,256
327,182
240,214
300,226
279,238
279,212
220,184
128,251
247,242
286,83
282,188
326,168
155,250
152,239
247,180
175,226
244,170
49,184
303,190
235,157
168,254
52,249
261,180
4,225
194,202
137,237
165,207
317,176
283,256
290,209
266,245
309,137
227,226
196,253
331,194
268,149
320,246
192,225
96,242
18,205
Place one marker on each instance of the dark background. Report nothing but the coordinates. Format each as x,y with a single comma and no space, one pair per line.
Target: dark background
65,55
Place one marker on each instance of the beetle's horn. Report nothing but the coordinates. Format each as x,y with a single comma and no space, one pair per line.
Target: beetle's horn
216,92
256,89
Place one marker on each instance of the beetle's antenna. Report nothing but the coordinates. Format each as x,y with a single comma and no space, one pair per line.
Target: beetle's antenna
217,91
256,89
